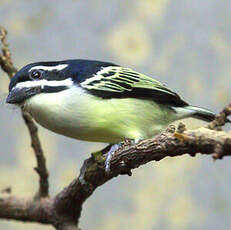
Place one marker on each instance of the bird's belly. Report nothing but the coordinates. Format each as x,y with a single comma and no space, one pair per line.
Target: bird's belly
95,119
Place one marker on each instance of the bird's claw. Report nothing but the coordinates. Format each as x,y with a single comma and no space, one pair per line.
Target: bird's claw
110,153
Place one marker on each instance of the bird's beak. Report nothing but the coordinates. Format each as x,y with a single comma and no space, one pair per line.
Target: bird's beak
19,95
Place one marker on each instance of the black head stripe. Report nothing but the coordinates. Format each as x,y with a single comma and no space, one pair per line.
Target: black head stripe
53,89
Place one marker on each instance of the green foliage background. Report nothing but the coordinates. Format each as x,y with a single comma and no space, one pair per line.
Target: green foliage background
185,44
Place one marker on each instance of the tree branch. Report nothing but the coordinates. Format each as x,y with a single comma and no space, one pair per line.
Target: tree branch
8,67
64,210
14,208
40,158
221,119
168,144
66,207
5,59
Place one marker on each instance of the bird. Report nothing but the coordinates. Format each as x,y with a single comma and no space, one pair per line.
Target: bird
98,101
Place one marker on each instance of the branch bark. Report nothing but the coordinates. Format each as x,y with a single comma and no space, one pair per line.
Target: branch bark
8,67
64,210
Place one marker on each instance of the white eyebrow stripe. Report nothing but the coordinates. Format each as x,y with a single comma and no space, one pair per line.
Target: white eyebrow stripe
50,68
29,84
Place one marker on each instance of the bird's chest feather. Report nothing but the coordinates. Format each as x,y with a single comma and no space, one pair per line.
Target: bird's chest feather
77,114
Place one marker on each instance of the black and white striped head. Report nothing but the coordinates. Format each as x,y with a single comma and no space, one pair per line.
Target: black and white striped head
50,77
42,77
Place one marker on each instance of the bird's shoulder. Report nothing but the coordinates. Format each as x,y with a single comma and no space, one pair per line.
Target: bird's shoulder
83,69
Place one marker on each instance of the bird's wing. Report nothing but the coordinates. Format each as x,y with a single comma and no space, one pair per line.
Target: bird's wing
116,81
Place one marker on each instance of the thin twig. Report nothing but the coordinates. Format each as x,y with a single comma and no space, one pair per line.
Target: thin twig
5,59
7,190
7,66
41,160
221,119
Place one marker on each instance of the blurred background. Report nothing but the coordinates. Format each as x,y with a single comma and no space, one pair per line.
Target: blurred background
185,44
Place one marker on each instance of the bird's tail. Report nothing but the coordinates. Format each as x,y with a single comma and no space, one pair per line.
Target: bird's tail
194,117
201,113
194,112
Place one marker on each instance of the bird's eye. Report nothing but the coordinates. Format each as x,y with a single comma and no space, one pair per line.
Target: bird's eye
35,74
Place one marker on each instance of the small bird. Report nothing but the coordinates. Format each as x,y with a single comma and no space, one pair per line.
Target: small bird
98,101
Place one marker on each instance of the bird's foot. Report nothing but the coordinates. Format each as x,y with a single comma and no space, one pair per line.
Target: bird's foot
111,149
110,153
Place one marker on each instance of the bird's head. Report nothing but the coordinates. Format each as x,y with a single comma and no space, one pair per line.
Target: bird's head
38,78
49,77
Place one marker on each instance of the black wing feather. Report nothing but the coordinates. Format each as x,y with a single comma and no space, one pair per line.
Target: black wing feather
118,82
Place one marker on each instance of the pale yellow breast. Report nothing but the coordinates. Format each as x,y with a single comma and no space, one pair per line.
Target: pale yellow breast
82,116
